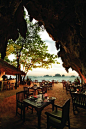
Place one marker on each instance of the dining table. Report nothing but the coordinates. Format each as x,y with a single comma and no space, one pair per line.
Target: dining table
39,102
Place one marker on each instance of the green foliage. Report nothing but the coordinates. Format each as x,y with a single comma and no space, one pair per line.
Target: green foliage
30,52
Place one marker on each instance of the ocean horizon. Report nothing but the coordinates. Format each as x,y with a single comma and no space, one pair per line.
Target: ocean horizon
50,78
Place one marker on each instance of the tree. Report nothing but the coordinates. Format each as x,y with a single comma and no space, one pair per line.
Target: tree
30,52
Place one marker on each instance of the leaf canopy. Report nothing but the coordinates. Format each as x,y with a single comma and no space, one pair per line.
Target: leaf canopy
31,52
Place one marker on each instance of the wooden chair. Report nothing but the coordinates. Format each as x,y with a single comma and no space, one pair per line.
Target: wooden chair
36,81
59,118
41,84
67,88
72,89
52,82
6,85
64,83
20,96
34,88
43,81
0,85
27,92
78,100
43,90
49,85
12,85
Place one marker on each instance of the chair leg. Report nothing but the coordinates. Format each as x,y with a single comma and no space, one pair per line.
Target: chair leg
32,110
21,113
69,123
47,122
16,110
73,110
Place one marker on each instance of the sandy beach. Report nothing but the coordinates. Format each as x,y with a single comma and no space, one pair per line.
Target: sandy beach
9,120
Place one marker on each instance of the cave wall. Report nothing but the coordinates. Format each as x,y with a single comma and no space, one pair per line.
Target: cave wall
64,20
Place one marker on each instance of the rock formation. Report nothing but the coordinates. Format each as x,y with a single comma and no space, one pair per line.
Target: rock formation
64,20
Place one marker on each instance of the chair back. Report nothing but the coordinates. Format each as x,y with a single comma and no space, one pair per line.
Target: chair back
40,84
79,99
26,92
43,81
44,89
35,86
20,96
25,88
67,87
65,112
50,84
36,81
64,83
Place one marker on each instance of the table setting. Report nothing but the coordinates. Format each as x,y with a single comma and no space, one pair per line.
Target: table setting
40,99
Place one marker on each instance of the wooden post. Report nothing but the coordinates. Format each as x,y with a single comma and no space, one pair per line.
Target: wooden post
16,82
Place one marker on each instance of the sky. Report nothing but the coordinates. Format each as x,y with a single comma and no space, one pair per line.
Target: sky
56,68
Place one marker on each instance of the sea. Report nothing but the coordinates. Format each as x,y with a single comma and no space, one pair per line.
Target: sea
50,78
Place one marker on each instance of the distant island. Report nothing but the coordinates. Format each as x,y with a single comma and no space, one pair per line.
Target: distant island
47,76
57,75
63,75
72,76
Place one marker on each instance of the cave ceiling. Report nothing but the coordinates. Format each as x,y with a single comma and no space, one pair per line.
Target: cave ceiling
64,20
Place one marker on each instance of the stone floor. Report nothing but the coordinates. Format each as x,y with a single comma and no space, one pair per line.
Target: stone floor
9,120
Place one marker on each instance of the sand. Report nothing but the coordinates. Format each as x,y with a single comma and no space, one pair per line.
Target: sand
9,120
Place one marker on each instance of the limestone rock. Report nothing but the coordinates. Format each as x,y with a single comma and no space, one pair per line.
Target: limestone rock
65,21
